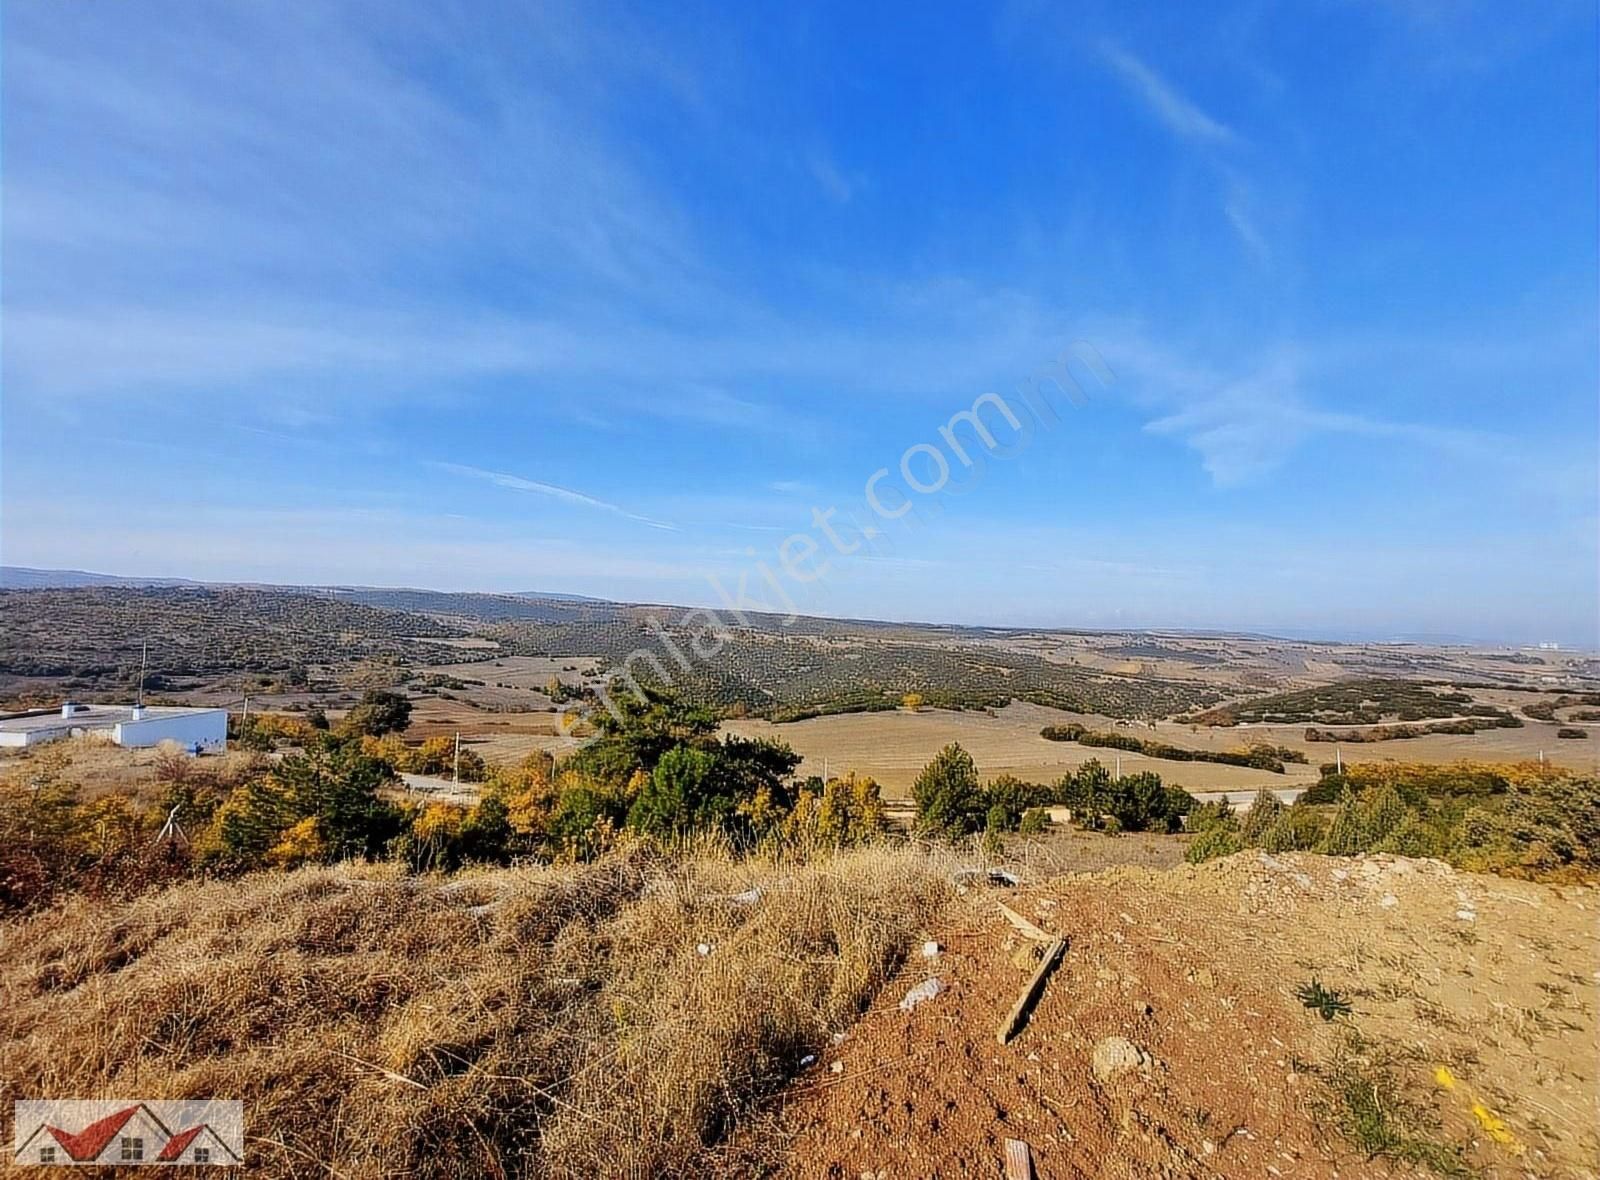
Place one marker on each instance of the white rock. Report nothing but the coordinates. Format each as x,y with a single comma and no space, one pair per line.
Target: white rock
1115,1056
931,949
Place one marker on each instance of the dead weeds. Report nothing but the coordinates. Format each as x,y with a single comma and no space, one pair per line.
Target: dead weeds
606,1019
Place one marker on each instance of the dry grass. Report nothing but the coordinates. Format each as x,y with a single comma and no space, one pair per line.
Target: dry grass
535,1021
893,747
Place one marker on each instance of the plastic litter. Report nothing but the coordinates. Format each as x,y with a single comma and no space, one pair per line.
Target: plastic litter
985,877
925,990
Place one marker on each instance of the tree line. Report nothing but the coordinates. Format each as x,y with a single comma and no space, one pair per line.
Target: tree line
951,800
1521,819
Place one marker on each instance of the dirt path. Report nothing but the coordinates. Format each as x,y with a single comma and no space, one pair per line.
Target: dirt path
1196,968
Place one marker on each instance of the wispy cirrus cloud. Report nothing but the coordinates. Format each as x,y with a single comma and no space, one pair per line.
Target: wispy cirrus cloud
838,184
517,483
1190,123
1247,415
1178,113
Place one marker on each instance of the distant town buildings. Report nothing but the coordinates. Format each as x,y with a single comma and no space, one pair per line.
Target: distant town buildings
196,730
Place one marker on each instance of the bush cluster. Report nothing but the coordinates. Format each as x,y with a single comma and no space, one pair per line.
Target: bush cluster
1257,755
952,801
1522,819
1465,726
1353,702
659,771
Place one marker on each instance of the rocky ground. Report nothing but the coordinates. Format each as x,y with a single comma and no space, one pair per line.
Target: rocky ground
1171,1041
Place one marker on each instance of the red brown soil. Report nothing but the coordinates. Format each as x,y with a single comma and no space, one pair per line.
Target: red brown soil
1197,967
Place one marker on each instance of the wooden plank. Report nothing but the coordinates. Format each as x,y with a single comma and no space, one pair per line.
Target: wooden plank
1025,926
1018,1016
1019,1160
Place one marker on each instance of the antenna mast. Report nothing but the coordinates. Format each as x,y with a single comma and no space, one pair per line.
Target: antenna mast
144,661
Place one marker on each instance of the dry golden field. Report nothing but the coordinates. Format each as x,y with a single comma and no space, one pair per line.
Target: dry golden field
893,747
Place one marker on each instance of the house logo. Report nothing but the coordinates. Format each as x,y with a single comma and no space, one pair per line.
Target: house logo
95,1132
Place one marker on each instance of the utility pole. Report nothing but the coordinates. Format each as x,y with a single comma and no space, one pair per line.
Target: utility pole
456,777
144,661
1338,760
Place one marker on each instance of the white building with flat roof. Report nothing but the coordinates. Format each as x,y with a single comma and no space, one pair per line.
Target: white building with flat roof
197,730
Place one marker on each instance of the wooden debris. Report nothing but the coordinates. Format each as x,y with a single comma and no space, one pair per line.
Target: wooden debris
1027,928
1018,1016
1019,1160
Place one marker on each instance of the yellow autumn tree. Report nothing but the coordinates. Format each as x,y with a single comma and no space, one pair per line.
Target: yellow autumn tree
847,812
300,843
529,791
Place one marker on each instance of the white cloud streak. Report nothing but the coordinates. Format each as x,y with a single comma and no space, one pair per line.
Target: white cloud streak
517,483
1180,115
1186,120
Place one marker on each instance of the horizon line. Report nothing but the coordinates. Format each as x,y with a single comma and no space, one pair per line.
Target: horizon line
134,581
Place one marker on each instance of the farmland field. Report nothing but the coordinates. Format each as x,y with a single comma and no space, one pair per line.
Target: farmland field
483,665
893,747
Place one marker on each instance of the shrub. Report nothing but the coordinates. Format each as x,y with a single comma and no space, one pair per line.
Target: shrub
1034,822
1571,731
1219,839
1015,796
1300,828
1412,837
1346,835
680,795
333,784
949,800
1265,811
1140,803
378,713
844,813
1206,815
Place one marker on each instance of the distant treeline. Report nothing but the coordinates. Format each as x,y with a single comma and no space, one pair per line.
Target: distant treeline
1521,819
1259,757
1349,702
1546,710
1395,733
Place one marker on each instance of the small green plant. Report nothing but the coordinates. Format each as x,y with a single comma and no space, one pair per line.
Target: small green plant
1323,1001
1363,1100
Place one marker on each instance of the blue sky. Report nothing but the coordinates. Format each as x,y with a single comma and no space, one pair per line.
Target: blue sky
610,299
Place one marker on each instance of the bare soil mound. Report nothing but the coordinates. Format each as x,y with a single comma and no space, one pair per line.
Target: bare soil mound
1181,986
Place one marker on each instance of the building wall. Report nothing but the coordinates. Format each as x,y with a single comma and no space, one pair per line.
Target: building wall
31,737
208,730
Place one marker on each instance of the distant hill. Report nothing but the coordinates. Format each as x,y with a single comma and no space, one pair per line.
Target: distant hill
21,577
